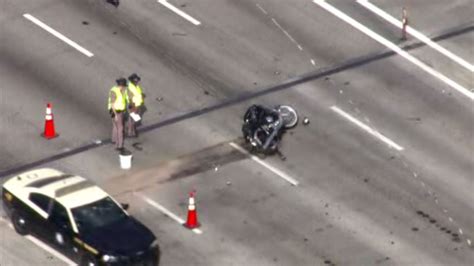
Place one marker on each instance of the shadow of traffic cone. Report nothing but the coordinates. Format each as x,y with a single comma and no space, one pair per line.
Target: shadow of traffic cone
49,131
192,221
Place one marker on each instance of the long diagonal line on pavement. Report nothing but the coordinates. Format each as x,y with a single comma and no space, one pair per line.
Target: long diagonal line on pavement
352,63
384,41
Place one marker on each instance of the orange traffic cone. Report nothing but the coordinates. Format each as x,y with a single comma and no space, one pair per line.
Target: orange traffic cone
192,221
49,131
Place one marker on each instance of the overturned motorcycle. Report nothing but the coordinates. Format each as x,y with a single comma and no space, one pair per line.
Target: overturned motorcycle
264,127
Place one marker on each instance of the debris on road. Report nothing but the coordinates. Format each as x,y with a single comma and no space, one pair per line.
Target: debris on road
305,121
115,3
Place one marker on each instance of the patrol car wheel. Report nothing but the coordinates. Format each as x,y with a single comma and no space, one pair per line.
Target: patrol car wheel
19,223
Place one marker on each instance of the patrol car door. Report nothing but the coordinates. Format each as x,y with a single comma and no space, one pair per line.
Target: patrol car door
60,229
38,215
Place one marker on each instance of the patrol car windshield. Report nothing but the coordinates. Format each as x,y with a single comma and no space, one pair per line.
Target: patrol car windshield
97,214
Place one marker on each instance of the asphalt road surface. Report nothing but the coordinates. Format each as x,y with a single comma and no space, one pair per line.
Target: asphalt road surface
382,175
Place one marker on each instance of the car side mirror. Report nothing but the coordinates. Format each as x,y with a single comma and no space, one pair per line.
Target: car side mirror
125,206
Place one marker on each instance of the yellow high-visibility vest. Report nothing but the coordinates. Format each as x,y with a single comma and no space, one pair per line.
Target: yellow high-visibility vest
121,100
137,94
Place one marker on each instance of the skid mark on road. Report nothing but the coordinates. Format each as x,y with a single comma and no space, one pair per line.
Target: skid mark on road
434,196
290,83
424,187
186,165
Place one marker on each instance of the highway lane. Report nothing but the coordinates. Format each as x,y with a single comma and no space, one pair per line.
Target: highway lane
13,249
172,61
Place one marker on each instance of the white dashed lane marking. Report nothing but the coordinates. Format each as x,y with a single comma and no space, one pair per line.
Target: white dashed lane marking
58,35
179,12
369,130
167,212
279,173
261,8
336,12
416,34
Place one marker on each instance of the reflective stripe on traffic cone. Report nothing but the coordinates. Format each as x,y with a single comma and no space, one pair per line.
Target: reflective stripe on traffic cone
192,221
49,131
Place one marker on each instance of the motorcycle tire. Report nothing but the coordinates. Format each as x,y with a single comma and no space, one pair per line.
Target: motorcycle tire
289,116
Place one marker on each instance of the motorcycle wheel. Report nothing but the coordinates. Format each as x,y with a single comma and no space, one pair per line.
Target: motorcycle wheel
289,116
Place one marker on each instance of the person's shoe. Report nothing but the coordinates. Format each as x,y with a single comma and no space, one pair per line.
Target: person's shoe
119,149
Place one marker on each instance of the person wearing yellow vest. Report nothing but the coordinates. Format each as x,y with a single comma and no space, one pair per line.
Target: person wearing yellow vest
135,106
118,100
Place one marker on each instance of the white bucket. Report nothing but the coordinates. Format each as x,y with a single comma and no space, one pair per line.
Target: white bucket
125,160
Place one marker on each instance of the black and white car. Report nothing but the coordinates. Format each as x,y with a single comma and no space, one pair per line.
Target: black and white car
79,218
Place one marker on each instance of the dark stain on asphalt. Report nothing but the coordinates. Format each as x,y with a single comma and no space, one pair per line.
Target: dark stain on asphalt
205,160
416,119
178,34
380,261
137,146
414,229
456,239
85,23
422,214
290,83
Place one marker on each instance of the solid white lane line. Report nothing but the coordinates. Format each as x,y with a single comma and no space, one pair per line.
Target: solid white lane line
286,177
167,212
179,12
261,8
42,245
371,131
416,34
50,250
58,35
394,47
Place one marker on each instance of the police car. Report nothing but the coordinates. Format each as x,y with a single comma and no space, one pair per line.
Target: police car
77,217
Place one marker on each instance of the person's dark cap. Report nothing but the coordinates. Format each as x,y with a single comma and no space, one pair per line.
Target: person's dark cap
134,77
121,82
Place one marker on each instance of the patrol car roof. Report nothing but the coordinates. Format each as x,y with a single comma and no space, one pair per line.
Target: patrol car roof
69,190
